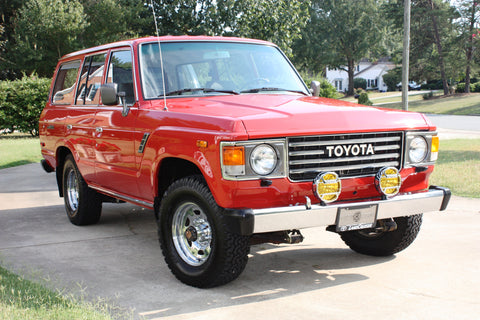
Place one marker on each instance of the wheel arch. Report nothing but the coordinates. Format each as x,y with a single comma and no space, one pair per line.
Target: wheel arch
61,155
171,169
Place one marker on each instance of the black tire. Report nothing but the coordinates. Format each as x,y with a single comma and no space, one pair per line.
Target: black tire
82,204
197,245
374,243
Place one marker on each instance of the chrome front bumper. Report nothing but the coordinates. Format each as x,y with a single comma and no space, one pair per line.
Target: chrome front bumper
302,217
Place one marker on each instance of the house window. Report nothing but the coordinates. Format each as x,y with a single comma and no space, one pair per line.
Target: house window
372,83
338,85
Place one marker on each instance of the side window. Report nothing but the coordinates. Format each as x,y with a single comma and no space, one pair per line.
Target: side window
120,72
91,79
63,91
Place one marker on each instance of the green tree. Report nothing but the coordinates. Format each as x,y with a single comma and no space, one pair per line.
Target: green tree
8,11
340,33
278,21
468,23
433,52
45,30
179,17
105,23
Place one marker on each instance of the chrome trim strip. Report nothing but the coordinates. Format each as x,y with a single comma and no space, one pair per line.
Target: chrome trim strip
358,166
299,217
337,142
344,159
123,197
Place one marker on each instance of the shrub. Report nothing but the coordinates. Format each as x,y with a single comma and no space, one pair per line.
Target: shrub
363,99
460,88
360,83
476,87
21,102
432,85
428,95
327,90
392,78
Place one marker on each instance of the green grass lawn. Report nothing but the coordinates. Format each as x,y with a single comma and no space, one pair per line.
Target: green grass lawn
23,299
458,167
461,104
18,151
468,104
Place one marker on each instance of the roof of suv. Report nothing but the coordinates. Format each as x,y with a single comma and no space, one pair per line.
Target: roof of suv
162,39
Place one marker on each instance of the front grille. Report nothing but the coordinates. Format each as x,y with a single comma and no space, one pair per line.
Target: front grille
349,155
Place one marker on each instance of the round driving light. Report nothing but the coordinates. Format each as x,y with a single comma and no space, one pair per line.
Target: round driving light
263,159
327,187
388,181
418,149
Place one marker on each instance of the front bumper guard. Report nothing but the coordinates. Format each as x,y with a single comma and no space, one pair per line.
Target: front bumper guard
308,216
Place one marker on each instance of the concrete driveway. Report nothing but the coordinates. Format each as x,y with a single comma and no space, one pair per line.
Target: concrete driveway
437,277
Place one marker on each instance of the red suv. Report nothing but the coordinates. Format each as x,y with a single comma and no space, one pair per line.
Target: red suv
222,138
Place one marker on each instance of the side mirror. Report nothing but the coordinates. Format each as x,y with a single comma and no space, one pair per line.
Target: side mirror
315,88
109,95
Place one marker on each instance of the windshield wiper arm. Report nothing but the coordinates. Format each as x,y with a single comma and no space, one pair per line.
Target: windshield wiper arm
256,90
205,90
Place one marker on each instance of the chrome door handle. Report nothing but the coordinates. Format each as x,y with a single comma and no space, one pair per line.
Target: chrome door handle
99,129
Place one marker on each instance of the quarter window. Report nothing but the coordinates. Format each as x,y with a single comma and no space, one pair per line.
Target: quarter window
64,89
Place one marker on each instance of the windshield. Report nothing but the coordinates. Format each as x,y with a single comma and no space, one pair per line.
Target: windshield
206,68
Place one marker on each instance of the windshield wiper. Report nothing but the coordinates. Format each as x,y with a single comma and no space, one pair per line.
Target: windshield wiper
256,90
204,90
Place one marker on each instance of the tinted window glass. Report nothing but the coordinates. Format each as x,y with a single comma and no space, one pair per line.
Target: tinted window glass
63,91
120,72
217,67
91,79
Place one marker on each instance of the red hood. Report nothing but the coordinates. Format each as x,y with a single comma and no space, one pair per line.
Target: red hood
267,115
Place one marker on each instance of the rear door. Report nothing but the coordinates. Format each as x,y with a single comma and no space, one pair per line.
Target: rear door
79,125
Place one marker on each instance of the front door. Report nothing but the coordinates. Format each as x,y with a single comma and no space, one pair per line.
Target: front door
115,167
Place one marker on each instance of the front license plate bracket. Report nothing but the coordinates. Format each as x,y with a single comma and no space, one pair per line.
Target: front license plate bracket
356,218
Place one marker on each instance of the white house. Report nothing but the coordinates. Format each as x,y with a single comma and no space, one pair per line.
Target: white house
371,71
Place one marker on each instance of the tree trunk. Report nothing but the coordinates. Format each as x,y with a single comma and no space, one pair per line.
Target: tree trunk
439,48
469,51
351,73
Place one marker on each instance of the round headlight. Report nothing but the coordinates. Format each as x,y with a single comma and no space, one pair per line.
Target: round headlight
263,159
418,149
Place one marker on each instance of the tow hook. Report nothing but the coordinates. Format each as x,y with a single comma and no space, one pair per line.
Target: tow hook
294,236
386,225
290,237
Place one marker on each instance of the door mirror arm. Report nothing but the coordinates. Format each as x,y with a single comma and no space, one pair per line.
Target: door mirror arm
126,109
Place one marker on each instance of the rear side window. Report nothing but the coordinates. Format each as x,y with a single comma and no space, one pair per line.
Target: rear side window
89,84
64,89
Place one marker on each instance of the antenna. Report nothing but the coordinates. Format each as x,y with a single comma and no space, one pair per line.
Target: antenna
165,108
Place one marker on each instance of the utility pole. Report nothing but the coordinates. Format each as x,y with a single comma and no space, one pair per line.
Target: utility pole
406,53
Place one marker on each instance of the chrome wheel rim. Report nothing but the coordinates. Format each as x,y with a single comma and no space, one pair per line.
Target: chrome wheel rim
72,190
191,234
